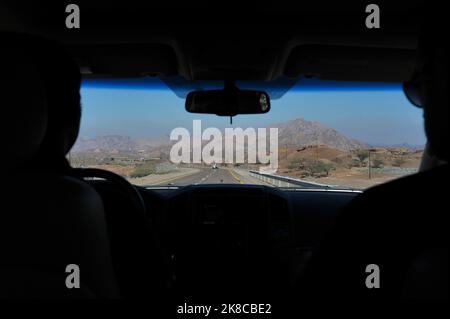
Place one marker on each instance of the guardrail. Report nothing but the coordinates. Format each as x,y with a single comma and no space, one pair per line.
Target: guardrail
284,181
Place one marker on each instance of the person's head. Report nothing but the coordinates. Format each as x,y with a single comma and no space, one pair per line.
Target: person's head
23,102
62,81
433,72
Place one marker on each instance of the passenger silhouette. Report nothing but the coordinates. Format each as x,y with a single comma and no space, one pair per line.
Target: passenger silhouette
49,219
62,80
400,226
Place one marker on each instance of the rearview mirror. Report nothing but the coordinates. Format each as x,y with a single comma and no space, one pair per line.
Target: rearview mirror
228,102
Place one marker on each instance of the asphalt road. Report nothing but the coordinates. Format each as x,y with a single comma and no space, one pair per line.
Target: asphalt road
212,176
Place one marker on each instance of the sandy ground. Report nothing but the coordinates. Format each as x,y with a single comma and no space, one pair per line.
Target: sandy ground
354,179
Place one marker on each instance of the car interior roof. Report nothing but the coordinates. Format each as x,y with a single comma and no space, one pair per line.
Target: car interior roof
258,42
199,242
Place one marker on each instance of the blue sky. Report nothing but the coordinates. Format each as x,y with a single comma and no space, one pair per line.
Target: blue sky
377,115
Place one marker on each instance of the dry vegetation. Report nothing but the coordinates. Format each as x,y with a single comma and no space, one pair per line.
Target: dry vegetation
323,164
125,165
350,169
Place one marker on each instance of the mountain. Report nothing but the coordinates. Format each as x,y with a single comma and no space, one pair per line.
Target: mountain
303,132
118,143
109,143
295,132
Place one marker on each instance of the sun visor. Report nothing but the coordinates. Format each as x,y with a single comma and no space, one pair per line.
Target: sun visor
132,60
346,63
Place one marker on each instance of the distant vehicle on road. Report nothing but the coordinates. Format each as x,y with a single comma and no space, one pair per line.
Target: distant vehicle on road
214,166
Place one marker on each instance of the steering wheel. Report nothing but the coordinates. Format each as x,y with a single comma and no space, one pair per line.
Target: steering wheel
124,185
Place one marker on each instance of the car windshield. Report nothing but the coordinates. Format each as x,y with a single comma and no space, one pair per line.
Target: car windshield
318,134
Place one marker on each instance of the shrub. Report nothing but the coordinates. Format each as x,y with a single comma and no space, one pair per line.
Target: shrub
362,156
310,167
377,163
321,167
144,169
354,163
296,164
398,162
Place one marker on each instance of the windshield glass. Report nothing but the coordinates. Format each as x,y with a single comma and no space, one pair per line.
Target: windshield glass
318,134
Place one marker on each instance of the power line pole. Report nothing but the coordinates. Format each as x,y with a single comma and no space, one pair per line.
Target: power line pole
369,162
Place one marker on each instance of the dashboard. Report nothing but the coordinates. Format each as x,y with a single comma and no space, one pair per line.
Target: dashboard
240,238
253,237
224,236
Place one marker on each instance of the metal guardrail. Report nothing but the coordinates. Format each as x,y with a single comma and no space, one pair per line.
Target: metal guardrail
284,181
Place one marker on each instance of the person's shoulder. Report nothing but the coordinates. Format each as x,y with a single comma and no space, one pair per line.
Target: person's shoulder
419,182
403,195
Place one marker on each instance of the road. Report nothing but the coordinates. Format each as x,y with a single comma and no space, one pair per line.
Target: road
212,176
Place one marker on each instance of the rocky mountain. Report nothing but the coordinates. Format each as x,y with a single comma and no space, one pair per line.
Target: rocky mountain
303,132
118,143
295,132
103,143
